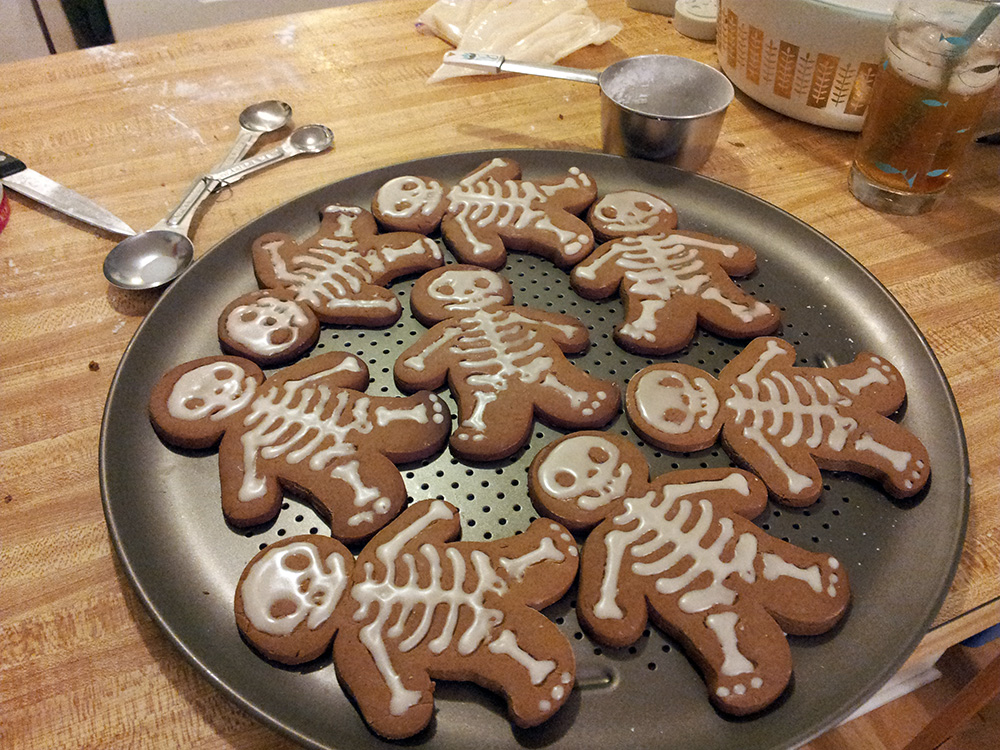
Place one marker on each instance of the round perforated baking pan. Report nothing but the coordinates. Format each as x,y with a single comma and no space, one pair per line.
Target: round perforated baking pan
163,508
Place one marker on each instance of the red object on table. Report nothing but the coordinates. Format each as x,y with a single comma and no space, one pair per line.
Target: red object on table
4,209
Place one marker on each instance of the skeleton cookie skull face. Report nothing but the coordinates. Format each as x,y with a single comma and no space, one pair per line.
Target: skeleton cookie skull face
587,470
267,326
631,212
212,391
290,585
457,290
408,196
674,404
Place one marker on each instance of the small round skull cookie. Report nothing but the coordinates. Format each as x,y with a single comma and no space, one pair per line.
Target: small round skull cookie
287,598
268,327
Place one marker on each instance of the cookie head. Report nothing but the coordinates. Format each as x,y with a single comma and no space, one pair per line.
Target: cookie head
628,213
268,327
288,594
578,478
459,290
212,391
675,407
410,202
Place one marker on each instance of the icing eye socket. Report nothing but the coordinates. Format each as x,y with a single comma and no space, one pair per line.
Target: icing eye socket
675,416
248,317
644,206
194,404
483,283
447,290
281,608
564,479
297,562
598,455
224,374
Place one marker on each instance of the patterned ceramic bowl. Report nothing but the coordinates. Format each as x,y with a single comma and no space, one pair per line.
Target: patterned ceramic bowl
814,60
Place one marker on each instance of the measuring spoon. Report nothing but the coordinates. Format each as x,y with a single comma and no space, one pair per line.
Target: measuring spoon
157,256
255,120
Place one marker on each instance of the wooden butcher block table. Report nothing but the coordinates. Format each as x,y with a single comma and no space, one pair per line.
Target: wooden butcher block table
86,662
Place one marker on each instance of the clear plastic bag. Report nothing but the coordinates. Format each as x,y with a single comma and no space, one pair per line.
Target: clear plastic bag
532,30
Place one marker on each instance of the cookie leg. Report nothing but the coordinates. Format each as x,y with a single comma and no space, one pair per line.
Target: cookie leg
885,451
395,701
791,474
493,422
806,592
742,653
653,325
531,663
572,398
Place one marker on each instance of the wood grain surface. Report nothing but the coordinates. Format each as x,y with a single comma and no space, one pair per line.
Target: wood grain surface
81,663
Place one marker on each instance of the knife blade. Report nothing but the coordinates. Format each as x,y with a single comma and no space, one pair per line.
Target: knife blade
15,175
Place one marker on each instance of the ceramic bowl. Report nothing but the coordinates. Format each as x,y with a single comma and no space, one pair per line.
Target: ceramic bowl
814,60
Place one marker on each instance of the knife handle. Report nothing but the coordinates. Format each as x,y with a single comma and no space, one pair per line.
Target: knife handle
10,165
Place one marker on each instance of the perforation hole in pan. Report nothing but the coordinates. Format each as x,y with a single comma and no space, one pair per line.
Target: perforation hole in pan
493,498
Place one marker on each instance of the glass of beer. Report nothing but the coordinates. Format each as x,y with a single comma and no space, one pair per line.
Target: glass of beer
942,59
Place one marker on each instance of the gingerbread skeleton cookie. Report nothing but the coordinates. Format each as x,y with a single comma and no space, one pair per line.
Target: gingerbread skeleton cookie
308,428
337,276
425,607
785,422
287,598
681,550
268,327
491,210
670,281
419,606
504,364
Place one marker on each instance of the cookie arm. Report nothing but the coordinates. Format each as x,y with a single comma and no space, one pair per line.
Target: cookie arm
421,365
566,331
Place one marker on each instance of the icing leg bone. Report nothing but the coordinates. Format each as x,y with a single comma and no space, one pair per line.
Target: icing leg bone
422,607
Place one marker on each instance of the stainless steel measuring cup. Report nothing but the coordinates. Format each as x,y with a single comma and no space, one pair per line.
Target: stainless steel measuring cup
657,107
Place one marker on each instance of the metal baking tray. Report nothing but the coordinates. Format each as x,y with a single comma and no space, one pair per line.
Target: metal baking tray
163,510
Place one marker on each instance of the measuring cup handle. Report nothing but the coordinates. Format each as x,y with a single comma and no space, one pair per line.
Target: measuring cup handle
500,64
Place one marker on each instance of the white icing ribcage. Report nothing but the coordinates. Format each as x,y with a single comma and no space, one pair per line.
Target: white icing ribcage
331,275
659,266
493,347
671,545
415,603
480,200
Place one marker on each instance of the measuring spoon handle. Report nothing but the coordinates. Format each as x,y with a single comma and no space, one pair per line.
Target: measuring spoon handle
201,189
